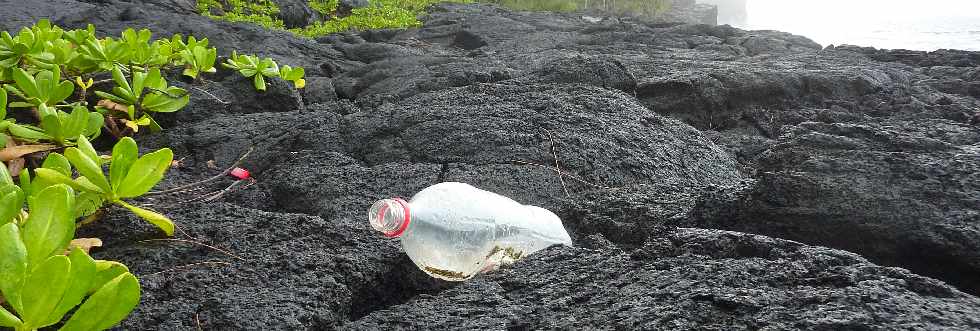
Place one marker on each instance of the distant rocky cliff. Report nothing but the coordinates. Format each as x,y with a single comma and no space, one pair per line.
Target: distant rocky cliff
689,11
731,12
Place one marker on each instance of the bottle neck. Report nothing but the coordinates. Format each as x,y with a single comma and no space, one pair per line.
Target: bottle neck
390,216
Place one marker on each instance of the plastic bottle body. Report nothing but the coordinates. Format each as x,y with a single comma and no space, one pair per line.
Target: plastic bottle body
456,230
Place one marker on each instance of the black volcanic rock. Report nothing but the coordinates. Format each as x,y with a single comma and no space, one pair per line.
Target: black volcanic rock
696,280
901,193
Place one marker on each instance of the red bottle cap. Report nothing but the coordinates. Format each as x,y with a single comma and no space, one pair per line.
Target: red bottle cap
240,173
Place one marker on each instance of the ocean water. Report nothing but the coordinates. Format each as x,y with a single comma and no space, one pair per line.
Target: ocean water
895,24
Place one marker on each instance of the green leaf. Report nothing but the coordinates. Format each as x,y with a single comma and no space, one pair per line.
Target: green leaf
26,83
51,125
55,177
113,98
88,186
106,271
5,177
145,173
61,92
94,128
260,83
162,103
25,183
51,223
87,203
108,306
81,276
21,131
124,153
43,290
292,74
11,202
190,72
3,104
77,122
86,148
155,218
13,264
88,168
151,78
152,124
19,104
120,79
248,72
8,320
57,162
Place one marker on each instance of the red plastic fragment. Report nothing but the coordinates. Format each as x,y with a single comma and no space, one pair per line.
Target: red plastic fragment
240,173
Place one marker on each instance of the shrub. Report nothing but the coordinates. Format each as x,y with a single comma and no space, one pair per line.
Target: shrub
44,65
40,282
381,14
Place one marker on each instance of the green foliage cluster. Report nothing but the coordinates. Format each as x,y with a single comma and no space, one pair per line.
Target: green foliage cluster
381,14
36,70
36,67
261,12
258,69
40,283
38,64
130,176
49,73
325,7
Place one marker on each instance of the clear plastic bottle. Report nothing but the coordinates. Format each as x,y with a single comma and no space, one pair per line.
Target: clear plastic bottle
454,231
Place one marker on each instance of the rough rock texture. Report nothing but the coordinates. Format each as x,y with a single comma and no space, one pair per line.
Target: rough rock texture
665,133
690,279
258,271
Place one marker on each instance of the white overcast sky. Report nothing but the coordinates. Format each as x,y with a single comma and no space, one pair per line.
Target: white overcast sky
831,9
912,24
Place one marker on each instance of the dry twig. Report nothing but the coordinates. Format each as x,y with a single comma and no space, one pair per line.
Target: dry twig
561,173
216,177
554,153
211,95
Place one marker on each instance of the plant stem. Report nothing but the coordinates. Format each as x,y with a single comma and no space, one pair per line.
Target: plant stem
91,218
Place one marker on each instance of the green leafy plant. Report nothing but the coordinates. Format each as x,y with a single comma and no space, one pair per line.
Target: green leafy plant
28,47
147,92
103,54
142,52
60,127
252,66
294,75
39,282
382,14
325,7
374,17
261,12
198,58
44,65
130,176
44,88
55,125
258,69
